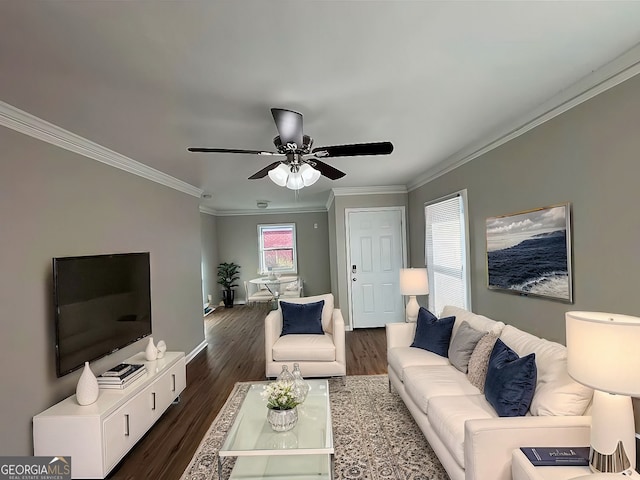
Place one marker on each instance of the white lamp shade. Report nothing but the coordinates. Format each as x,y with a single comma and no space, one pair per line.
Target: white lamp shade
295,182
414,281
602,351
279,175
309,174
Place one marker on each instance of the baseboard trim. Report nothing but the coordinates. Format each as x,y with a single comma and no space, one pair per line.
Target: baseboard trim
196,351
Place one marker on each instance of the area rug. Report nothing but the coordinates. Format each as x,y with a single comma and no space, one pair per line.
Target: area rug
374,435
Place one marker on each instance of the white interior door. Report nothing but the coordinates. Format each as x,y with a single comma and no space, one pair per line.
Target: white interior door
376,254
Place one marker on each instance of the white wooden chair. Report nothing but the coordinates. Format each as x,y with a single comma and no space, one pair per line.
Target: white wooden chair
254,294
292,289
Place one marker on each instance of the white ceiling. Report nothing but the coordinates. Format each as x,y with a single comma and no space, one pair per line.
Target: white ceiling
440,80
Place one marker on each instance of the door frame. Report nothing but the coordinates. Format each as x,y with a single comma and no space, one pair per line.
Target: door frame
403,233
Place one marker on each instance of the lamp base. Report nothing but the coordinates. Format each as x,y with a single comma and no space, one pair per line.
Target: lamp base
412,309
616,462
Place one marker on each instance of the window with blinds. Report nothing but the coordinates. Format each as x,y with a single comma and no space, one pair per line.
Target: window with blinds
447,252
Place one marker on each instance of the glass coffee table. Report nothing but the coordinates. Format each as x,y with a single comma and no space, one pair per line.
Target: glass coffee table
305,452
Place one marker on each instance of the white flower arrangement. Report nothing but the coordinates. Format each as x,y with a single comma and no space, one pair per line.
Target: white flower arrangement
280,396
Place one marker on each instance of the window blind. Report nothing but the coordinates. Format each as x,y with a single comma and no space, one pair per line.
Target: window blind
446,253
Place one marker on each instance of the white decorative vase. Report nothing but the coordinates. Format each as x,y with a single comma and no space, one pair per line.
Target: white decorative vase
162,347
87,390
151,352
282,420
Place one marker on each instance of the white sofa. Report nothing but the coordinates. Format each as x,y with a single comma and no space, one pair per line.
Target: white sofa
462,427
318,355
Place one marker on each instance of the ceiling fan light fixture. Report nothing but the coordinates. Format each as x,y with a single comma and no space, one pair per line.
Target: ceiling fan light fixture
279,175
295,181
309,174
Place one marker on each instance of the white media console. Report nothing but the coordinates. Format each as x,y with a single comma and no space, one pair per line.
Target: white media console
99,435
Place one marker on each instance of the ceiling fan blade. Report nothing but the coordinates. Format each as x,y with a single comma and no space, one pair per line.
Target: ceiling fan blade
230,150
327,170
289,125
355,149
263,173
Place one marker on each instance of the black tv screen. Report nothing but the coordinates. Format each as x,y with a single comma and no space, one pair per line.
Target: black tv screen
102,303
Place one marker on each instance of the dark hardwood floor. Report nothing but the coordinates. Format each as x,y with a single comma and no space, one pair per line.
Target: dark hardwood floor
234,353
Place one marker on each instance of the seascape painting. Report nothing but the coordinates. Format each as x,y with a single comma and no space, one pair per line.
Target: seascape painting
529,253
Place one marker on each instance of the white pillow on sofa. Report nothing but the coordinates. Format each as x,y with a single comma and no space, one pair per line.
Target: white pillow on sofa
556,392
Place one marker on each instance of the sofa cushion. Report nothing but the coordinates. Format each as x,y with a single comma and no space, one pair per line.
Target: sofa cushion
479,360
462,345
448,415
479,322
302,318
399,358
556,392
318,348
433,334
327,311
424,383
511,381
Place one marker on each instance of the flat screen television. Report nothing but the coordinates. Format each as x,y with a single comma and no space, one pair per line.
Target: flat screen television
102,303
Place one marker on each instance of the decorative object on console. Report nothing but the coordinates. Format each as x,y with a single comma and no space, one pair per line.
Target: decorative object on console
87,390
151,352
162,347
602,354
413,281
528,260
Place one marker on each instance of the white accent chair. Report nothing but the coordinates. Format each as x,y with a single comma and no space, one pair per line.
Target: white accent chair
292,289
318,355
254,294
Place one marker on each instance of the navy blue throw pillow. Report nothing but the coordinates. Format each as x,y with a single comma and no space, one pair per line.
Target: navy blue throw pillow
511,381
302,318
433,334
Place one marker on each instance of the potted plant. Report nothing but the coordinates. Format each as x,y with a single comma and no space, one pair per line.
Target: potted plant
228,274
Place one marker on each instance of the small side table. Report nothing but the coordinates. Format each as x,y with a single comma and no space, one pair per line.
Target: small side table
523,469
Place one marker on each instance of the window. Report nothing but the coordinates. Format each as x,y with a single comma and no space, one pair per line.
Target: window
447,252
277,248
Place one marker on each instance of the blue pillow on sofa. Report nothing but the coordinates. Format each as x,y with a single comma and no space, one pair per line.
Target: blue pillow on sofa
433,334
302,318
511,381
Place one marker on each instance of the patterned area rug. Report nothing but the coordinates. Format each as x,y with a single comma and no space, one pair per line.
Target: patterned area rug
374,435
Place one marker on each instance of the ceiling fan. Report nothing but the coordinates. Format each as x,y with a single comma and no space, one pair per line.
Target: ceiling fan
301,165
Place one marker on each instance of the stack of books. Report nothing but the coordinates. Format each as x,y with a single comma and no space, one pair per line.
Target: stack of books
121,375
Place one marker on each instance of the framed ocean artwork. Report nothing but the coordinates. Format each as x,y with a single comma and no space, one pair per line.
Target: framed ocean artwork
529,253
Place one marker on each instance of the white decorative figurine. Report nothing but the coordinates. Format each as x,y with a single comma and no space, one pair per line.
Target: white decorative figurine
87,390
162,347
151,352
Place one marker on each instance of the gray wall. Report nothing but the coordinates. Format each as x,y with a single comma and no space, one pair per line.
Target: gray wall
209,236
54,203
340,203
238,242
588,156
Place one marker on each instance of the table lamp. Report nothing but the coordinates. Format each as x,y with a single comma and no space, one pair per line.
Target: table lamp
413,281
602,353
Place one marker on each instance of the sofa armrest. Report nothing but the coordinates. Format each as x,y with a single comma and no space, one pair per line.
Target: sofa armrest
400,334
339,336
272,330
490,442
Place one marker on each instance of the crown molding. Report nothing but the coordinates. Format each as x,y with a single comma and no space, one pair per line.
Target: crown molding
208,210
612,74
23,122
274,211
332,197
390,189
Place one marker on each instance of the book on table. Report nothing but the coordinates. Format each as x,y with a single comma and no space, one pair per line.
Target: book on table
557,456
131,379
134,371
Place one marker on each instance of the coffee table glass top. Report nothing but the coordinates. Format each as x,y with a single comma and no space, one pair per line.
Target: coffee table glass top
251,434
